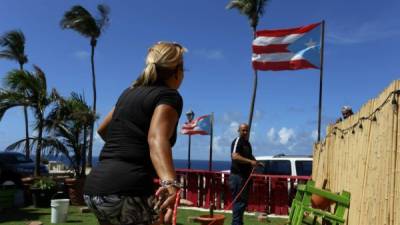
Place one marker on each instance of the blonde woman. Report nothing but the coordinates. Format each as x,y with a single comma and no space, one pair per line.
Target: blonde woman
139,133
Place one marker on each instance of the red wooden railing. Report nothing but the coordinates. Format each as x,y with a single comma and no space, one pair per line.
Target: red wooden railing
270,194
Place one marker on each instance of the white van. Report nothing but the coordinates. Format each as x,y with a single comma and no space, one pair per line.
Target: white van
289,165
284,165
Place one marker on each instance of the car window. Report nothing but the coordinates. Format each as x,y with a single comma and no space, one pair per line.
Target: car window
303,168
275,167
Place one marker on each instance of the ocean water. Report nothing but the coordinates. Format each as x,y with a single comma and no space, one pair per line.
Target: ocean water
194,164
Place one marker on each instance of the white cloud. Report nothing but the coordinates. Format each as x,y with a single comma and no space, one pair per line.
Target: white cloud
285,135
210,54
271,135
82,55
228,117
282,137
217,146
314,135
232,131
366,32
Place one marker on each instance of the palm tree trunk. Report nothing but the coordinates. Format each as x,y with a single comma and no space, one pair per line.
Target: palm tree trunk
39,146
93,45
83,172
27,147
253,98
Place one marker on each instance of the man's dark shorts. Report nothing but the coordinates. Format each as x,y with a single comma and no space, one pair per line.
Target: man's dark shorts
123,210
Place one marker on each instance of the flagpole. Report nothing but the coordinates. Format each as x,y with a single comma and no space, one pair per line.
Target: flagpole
211,142
321,71
189,144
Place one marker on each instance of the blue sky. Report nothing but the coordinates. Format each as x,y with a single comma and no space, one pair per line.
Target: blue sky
361,59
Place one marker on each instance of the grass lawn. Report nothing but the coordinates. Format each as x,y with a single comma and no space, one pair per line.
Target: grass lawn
24,215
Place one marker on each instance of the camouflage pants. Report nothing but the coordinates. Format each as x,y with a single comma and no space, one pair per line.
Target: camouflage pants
123,210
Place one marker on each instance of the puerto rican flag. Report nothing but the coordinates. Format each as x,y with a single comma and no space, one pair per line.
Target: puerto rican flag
200,125
288,49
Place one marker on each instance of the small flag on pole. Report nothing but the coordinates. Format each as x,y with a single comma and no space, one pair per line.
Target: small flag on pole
288,49
200,125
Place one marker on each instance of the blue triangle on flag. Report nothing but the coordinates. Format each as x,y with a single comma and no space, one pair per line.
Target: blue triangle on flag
308,46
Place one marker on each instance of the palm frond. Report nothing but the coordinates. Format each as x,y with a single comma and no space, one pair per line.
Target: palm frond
17,80
80,20
261,7
13,43
55,96
253,9
5,54
103,20
10,99
18,145
238,4
41,77
53,146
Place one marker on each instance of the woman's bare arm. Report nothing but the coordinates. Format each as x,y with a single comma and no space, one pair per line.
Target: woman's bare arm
162,127
161,130
102,130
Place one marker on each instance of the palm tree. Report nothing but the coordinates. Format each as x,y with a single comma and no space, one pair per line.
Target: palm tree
13,43
80,20
253,9
30,90
68,123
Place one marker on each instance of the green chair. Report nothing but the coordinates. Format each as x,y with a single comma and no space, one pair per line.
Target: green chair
296,202
302,205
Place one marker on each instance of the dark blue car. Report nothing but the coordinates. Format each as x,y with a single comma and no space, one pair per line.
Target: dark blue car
14,162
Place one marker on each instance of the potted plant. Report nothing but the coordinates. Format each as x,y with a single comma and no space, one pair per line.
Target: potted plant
68,125
42,189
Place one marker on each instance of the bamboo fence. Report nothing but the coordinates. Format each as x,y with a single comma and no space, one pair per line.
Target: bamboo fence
362,155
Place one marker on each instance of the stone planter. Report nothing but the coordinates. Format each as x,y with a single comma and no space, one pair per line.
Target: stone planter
26,185
320,202
75,190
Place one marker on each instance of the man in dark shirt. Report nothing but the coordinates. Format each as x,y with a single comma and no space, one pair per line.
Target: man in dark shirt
242,163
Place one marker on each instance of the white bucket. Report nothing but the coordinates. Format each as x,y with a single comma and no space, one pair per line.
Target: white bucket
59,210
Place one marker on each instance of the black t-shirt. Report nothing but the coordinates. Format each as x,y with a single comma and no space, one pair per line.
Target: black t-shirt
243,147
125,166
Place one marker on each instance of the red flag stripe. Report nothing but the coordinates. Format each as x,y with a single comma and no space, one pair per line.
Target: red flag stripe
190,132
270,49
284,65
285,32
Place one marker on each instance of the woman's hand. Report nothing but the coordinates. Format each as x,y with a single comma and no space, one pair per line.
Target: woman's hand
166,202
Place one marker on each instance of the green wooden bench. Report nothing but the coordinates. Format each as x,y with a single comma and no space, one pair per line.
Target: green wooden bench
302,205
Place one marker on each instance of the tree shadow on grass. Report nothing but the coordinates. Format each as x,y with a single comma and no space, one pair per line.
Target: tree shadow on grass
24,214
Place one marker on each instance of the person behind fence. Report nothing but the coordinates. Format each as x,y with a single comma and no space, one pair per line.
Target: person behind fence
139,133
241,167
347,111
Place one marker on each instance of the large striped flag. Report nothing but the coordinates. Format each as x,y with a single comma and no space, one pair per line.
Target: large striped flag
201,125
288,49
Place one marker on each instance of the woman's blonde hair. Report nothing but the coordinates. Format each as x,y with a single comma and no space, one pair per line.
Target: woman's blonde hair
163,59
